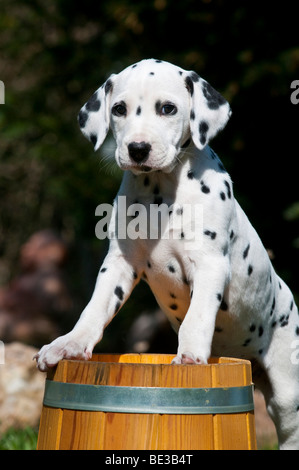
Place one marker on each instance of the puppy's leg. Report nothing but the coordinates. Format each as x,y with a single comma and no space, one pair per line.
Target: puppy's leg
196,332
115,282
282,399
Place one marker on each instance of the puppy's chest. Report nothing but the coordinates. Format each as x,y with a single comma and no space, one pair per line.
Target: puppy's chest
162,217
161,207
170,277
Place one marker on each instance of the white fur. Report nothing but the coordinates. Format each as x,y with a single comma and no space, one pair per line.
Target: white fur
224,297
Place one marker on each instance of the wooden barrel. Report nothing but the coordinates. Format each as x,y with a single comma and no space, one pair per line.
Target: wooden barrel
141,401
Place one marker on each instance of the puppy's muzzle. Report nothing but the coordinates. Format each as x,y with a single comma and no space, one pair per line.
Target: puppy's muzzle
139,151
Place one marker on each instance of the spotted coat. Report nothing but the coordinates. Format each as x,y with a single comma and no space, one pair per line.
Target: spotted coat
219,291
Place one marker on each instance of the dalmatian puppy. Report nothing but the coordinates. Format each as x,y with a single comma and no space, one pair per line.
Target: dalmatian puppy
219,291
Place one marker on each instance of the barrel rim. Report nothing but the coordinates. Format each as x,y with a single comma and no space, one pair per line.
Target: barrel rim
151,400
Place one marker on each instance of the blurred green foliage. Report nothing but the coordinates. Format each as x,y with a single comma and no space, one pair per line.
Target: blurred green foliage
19,439
53,55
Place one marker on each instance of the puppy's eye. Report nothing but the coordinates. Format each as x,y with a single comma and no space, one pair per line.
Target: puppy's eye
119,109
168,109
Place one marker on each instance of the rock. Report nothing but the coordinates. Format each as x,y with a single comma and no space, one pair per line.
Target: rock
21,388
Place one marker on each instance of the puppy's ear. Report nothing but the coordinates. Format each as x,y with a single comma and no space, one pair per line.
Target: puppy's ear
93,118
209,111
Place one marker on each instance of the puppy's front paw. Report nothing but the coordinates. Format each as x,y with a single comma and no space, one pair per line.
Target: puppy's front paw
188,358
64,347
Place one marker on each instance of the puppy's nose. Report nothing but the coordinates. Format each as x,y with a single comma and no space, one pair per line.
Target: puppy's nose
139,151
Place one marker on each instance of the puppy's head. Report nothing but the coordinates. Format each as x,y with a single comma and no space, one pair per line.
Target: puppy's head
153,108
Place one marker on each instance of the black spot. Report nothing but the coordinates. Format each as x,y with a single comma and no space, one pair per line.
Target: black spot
274,324
297,330
108,86
284,320
292,305
149,264
223,306
205,189
210,234
261,351
171,268
252,328
222,195
119,292
229,193
231,236
261,331
272,307
93,104
182,235
214,99
82,118
189,85
173,296
156,189
138,112
103,270
246,342
195,77
203,129
152,73
173,306
191,294
218,329
117,307
134,275
249,270
93,138
192,115
158,61
279,285
190,174
245,252
185,281
133,66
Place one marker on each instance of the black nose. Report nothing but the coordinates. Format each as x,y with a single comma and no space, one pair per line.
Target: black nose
139,151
